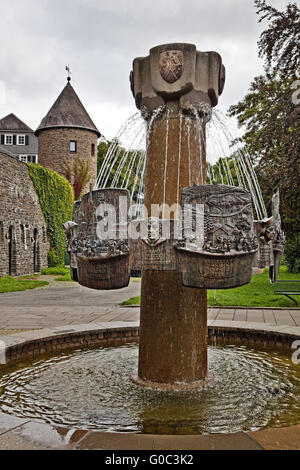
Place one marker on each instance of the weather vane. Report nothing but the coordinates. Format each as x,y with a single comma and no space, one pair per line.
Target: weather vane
69,73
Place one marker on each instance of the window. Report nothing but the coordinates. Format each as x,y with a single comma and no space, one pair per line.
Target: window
73,146
28,158
8,139
21,140
93,150
22,234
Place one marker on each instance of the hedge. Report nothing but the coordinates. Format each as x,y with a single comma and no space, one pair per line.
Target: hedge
292,254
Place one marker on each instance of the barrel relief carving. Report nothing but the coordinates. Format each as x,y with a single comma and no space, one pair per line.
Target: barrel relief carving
218,243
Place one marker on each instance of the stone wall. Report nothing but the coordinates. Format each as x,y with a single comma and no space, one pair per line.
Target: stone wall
23,233
54,149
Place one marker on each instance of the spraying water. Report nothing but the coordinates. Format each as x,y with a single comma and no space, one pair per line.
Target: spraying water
228,163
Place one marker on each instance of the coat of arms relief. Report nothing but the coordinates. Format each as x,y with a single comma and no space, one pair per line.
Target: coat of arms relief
171,64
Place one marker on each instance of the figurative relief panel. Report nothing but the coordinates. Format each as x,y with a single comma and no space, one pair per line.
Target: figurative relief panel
228,222
222,257
158,250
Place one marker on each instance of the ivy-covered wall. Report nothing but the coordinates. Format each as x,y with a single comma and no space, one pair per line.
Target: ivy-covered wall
56,199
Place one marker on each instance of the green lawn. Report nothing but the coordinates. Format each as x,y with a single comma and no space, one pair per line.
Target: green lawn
135,279
259,293
10,284
132,301
57,270
63,273
65,278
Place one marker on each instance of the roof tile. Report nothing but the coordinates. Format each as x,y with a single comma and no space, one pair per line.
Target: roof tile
11,123
67,111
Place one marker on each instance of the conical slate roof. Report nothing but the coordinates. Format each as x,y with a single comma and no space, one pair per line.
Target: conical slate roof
12,123
68,111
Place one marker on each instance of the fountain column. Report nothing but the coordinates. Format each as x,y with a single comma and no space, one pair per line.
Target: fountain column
174,84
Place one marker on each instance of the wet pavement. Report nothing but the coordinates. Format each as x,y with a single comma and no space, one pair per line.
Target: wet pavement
68,303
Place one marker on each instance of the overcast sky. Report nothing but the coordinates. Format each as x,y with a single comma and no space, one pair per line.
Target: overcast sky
99,40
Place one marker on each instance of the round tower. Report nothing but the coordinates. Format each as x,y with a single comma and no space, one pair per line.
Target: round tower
68,137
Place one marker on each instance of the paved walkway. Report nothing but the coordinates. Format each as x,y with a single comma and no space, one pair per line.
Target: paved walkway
65,304
288,317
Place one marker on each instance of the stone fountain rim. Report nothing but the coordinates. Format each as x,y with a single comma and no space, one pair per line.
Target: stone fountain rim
21,345
18,344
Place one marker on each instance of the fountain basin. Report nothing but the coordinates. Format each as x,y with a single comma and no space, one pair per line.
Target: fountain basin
267,353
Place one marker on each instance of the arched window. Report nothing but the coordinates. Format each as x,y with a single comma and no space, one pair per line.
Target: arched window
12,259
1,232
22,228
36,251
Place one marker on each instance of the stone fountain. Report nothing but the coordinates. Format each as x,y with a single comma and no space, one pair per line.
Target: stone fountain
193,237
182,83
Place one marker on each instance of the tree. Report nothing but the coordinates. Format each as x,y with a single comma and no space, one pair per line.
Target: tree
120,167
222,172
279,43
272,130
77,172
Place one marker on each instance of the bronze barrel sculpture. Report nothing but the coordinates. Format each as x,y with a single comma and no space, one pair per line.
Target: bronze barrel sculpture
218,244
99,240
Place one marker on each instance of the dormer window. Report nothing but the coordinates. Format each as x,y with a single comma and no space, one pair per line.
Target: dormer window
8,139
21,140
73,146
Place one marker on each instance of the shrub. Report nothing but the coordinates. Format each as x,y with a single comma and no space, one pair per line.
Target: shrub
292,254
52,258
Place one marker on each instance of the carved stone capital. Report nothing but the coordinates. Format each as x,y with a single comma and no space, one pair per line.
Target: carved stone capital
177,72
